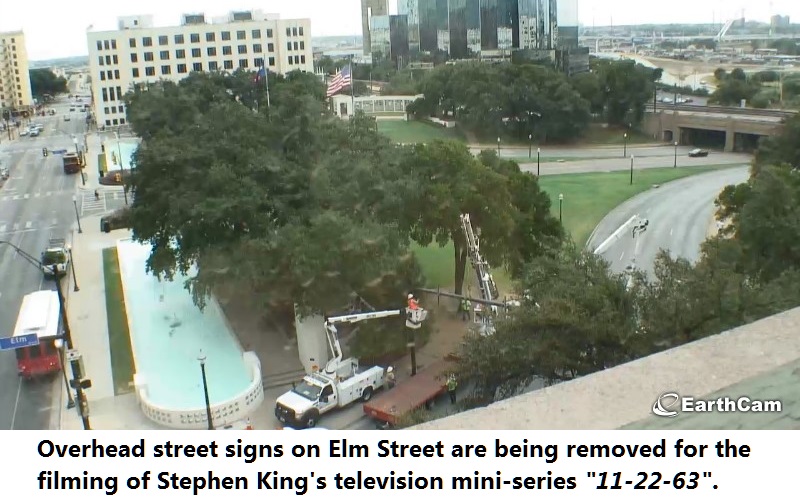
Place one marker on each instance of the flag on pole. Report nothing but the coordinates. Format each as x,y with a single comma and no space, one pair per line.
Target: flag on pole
261,74
340,81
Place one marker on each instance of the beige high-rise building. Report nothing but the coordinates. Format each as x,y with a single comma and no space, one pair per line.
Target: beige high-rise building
139,52
15,82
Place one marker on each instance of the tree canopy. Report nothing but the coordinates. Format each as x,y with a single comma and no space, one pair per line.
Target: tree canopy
44,81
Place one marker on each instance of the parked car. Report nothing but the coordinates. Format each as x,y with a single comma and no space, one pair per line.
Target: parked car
4,174
66,118
697,152
34,132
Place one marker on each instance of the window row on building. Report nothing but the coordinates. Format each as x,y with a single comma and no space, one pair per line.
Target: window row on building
195,38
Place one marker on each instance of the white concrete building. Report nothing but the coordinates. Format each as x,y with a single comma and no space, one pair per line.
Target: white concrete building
139,52
15,81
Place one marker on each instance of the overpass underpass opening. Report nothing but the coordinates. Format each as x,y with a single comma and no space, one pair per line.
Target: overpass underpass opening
703,138
743,142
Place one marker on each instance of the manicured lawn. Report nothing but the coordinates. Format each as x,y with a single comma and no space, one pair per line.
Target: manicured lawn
401,131
122,364
587,199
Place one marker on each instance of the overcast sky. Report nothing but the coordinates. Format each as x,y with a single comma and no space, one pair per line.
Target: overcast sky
56,28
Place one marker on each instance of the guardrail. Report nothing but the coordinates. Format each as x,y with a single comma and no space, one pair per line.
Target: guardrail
725,110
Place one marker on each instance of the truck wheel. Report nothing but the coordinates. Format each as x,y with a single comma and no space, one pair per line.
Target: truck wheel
311,420
367,394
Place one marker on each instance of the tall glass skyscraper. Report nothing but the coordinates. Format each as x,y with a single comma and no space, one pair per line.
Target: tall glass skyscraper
410,9
538,25
567,24
499,24
465,24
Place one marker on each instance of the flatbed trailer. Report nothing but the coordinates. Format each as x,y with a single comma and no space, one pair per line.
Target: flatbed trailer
390,406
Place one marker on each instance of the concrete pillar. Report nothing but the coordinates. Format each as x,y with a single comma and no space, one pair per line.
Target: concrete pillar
730,135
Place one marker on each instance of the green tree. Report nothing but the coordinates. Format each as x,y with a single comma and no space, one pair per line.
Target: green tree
783,148
627,88
447,181
44,81
246,197
576,321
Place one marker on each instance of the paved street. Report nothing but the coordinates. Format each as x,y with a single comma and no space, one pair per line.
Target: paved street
680,215
35,205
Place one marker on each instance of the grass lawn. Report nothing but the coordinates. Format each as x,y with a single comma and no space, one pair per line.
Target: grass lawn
588,197
122,365
401,131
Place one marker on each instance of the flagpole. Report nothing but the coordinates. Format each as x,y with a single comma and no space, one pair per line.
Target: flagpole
352,88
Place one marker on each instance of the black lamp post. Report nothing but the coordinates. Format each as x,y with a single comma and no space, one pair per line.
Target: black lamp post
77,215
72,266
59,344
538,160
631,169
202,359
78,381
676,155
560,205
624,145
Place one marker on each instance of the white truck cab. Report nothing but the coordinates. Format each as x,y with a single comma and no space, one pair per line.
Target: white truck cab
319,393
57,256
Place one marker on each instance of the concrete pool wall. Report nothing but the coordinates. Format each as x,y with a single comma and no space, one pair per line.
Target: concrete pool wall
168,334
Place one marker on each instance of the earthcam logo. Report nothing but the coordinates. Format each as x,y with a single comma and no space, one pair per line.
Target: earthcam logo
671,404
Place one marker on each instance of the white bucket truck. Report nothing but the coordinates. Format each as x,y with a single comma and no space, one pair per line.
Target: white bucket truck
341,382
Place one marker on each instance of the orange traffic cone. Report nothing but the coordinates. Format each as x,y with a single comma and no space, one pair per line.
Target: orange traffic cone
249,426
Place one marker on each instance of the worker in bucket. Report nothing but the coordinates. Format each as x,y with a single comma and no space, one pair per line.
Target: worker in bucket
413,304
390,378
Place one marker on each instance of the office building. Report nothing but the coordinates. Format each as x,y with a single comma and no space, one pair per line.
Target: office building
370,9
138,52
390,38
15,81
543,31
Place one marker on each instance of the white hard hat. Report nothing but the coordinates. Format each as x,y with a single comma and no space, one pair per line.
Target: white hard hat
410,296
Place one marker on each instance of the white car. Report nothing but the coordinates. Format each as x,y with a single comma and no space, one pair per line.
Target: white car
24,132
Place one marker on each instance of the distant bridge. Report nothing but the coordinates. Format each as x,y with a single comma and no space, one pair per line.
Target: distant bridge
726,110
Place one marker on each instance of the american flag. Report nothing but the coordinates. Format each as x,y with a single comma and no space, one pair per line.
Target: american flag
340,81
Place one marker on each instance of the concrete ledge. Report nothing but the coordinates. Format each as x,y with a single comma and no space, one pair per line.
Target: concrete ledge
619,396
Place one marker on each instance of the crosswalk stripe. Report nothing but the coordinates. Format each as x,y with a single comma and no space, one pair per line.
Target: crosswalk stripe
16,226
2,229
27,196
27,225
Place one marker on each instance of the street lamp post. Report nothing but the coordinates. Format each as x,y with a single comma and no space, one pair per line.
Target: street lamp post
202,359
560,205
530,145
538,159
675,164
77,215
78,381
624,145
498,146
59,344
631,169
122,168
72,266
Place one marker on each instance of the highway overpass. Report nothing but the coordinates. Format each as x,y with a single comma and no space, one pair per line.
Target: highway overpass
734,129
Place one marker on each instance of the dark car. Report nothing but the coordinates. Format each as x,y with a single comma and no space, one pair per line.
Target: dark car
697,152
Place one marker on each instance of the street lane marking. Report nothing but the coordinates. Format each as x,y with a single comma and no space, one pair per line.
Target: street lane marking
27,225
620,256
49,194
670,232
37,194
2,229
16,226
27,196
17,197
